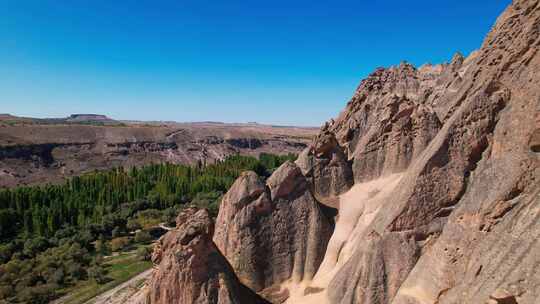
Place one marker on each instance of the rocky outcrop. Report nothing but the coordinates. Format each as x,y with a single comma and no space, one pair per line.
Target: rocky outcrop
90,118
434,174
272,232
430,167
327,168
245,143
487,251
190,269
39,155
461,224
388,122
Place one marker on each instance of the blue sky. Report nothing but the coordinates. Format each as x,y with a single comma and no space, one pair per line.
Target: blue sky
281,62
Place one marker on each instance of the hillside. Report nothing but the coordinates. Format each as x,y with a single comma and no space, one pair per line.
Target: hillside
34,151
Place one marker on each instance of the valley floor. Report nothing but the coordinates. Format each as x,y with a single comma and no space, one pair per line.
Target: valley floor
121,293
127,273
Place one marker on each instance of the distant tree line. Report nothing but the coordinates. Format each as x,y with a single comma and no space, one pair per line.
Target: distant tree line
87,199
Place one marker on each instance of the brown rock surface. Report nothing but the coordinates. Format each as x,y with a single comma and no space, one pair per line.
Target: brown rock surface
190,269
434,172
272,232
490,242
379,266
388,122
326,168
467,203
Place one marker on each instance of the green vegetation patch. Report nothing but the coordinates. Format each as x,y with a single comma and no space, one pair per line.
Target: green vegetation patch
119,269
58,239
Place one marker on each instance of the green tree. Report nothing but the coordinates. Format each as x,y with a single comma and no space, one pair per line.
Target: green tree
144,253
102,246
142,236
97,274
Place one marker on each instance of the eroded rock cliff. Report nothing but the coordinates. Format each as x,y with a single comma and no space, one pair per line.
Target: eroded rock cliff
274,231
433,173
461,224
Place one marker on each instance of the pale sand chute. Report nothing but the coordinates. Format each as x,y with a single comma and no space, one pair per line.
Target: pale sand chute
357,209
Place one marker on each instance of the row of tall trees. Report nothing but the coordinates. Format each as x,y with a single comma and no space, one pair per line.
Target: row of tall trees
87,199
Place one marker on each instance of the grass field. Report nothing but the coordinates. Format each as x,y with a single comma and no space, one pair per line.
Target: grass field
119,268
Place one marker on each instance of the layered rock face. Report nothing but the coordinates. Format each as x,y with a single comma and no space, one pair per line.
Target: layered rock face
387,123
190,269
488,250
461,224
433,172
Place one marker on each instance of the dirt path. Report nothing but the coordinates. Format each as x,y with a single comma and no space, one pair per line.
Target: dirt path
162,226
121,293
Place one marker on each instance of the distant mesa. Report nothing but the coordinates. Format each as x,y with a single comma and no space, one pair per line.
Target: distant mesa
91,119
95,119
88,117
6,116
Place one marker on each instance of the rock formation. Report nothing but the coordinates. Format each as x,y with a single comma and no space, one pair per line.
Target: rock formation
190,268
460,225
327,168
272,232
434,174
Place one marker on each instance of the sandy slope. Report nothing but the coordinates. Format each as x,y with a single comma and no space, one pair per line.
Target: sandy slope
357,209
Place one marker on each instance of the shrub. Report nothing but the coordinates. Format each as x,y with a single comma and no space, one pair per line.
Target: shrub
102,247
144,253
119,243
97,274
169,216
40,294
133,225
142,237
6,251
208,200
35,246
149,218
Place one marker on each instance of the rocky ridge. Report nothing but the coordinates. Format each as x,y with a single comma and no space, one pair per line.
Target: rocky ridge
433,173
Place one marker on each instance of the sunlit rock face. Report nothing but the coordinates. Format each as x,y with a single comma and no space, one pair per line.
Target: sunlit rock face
190,268
272,231
434,172
327,168
423,190
460,224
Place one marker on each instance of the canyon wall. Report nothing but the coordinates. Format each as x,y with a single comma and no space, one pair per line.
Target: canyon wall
31,153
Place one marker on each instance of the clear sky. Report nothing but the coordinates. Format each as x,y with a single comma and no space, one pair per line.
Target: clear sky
280,61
